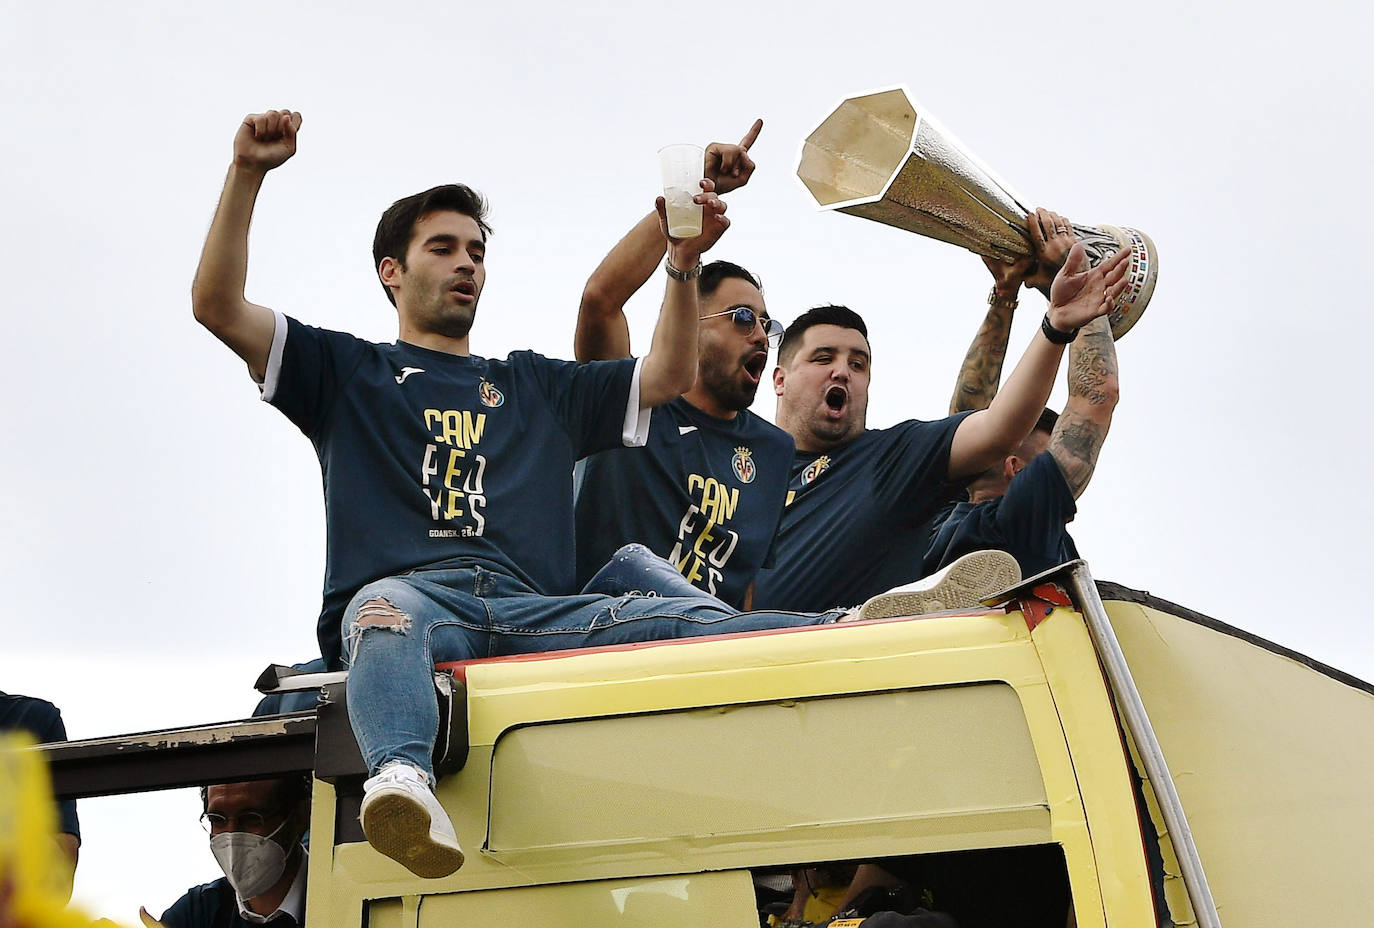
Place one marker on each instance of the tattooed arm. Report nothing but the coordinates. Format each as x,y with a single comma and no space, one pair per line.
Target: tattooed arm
1078,436
1051,238
982,368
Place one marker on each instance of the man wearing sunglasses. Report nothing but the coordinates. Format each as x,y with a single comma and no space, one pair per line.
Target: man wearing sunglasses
449,511
706,491
255,831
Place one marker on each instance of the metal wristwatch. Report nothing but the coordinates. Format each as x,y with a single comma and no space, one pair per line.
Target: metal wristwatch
674,273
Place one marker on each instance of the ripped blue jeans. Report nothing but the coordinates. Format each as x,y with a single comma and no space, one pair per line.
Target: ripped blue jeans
428,616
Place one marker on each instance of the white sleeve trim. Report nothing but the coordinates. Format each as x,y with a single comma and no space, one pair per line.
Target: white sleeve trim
634,433
273,375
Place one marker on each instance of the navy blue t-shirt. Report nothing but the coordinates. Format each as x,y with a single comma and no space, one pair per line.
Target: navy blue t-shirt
298,701
705,493
1028,522
201,905
435,459
43,721
858,519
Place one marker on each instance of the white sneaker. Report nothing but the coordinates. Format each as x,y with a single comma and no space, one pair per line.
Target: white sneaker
962,585
403,820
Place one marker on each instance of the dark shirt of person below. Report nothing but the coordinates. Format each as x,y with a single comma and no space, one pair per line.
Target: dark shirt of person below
212,905
858,519
299,701
43,721
1028,522
705,493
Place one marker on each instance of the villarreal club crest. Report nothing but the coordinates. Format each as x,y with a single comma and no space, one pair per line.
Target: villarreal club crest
489,395
815,469
743,465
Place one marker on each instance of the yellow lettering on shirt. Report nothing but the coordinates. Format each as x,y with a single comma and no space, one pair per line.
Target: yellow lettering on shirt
718,501
457,428
455,469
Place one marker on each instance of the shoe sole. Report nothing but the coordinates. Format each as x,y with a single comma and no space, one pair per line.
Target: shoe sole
398,826
968,581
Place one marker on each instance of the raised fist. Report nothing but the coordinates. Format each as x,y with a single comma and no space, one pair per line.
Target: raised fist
266,140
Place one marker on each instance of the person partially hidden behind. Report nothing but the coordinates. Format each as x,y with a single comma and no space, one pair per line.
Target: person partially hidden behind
862,502
255,831
43,720
1023,504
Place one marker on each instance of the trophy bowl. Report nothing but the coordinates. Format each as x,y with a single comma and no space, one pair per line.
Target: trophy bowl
881,156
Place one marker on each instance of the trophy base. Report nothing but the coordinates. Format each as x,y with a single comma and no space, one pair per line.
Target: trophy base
1140,277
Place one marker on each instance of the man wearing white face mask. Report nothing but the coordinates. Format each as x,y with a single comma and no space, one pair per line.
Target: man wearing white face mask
255,833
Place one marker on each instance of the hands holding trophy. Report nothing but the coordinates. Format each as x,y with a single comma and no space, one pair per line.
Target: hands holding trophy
882,157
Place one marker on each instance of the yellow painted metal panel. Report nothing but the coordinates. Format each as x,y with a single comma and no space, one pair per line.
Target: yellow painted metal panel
713,774
1090,727
1272,762
725,681
719,900
394,913
788,665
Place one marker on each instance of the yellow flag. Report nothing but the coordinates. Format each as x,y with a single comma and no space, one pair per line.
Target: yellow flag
33,871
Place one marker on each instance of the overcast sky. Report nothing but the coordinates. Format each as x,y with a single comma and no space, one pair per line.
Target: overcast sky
164,529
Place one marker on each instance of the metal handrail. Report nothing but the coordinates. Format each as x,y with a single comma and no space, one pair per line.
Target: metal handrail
1142,732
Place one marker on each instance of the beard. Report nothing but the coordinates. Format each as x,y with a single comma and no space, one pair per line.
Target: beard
832,433
724,379
451,321
455,325
829,430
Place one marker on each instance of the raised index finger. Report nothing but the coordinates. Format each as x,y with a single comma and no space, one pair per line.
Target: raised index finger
751,135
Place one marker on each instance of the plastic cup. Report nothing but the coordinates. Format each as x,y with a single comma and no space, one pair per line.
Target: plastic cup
683,168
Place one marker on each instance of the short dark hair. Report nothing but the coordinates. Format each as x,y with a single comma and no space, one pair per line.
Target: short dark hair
713,274
1026,449
290,790
397,224
830,314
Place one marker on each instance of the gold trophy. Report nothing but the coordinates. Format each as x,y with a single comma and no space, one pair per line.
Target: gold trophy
880,156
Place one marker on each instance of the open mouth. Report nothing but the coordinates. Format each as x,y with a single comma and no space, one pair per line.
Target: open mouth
835,399
754,365
465,288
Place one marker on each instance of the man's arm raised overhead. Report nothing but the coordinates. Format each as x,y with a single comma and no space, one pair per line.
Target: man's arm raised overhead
981,373
603,333
670,367
263,141
1093,392
1078,295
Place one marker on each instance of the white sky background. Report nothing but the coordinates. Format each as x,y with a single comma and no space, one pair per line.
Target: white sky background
164,530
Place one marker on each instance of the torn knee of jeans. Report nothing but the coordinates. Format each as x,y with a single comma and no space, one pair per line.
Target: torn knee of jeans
381,613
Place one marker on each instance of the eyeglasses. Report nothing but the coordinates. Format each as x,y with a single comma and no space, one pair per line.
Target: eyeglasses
746,319
255,823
